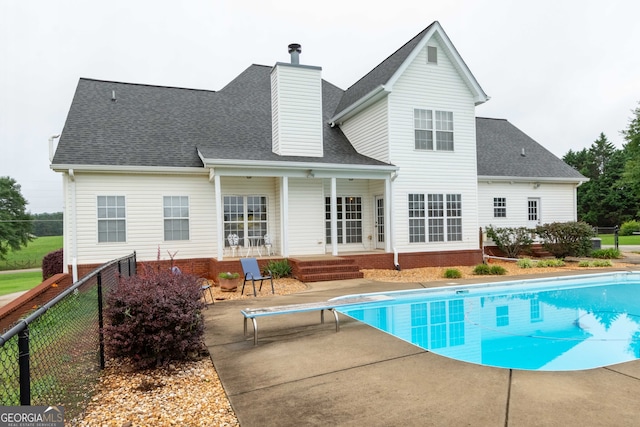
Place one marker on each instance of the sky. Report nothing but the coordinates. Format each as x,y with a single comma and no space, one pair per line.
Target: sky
562,71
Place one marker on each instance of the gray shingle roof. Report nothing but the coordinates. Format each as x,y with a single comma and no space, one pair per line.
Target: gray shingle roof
381,74
500,145
164,126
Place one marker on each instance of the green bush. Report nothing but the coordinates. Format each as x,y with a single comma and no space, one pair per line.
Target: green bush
278,268
609,253
565,239
452,273
584,264
628,228
525,263
497,270
510,240
601,263
482,269
550,263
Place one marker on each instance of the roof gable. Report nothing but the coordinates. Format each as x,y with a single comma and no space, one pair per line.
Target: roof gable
381,79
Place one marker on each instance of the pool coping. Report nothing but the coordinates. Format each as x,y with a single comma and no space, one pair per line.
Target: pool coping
303,373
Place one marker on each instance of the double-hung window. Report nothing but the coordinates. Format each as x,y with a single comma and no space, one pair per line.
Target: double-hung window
112,223
176,217
429,122
435,217
499,207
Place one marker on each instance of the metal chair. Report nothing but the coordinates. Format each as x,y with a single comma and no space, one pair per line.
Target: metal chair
268,246
251,272
234,241
205,286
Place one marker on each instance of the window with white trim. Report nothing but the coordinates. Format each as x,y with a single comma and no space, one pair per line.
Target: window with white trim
349,220
245,216
112,223
499,207
435,217
425,122
176,217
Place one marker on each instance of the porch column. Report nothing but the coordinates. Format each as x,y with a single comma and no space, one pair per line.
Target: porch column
334,217
219,217
389,232
284,225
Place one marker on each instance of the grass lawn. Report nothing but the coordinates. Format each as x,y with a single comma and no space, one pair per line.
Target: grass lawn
16,282
31,255
607,239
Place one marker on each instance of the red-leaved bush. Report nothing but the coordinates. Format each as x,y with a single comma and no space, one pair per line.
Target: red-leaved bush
52,264
154,318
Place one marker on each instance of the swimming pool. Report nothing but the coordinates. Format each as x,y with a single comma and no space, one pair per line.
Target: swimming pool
558,324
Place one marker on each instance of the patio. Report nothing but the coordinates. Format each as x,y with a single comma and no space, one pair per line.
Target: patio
304,373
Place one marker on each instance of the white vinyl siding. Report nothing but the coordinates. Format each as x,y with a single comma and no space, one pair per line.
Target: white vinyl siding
296,93
306,216
557,202
423,86
144,216
368,131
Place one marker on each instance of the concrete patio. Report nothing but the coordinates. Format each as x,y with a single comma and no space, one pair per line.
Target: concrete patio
303,373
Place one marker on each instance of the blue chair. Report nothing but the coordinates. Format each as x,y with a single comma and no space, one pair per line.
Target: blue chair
251,272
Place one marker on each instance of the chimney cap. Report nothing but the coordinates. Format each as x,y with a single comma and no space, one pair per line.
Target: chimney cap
295,47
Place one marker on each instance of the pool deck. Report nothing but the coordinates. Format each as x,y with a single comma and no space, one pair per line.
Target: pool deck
303,373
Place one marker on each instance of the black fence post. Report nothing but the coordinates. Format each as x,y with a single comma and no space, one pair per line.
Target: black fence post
615,236
100,320
23,363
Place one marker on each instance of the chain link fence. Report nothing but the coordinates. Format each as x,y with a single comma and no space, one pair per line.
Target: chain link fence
54,356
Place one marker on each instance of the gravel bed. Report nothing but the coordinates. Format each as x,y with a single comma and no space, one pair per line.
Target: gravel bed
190,393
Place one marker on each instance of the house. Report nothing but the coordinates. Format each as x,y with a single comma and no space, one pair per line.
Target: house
394,171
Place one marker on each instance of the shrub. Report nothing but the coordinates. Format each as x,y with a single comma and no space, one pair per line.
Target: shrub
550,263
228,275
482,269
525,263
564,239
154,318
278,268
511,241
601,263
629,227
609,253
452,273
584,264
498,270
52,264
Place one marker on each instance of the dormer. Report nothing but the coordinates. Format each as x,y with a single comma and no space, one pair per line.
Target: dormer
296,107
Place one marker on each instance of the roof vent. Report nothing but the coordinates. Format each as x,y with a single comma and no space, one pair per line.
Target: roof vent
523,154
295,49
113,96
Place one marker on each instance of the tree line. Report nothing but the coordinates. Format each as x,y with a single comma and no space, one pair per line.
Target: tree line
612,195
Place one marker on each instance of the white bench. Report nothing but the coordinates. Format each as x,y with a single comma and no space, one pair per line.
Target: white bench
331,305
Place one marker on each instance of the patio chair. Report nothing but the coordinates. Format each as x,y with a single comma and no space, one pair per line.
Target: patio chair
251,272
234,241
268,246
204,287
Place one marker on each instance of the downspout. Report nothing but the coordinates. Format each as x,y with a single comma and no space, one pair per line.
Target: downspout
74,226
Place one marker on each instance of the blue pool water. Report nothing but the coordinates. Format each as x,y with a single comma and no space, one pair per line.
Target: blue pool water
559,324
